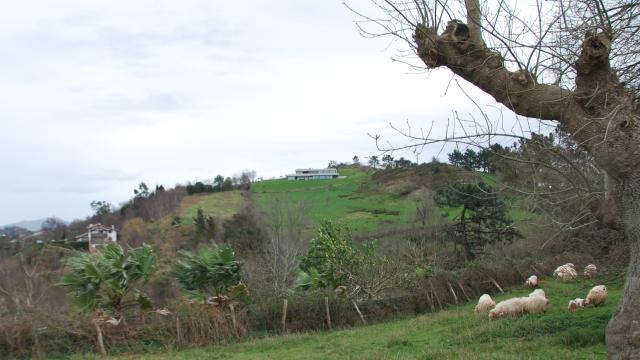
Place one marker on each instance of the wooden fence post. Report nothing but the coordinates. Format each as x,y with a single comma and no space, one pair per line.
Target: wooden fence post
358,311
496,284
434,293
455,297
326,307
285,302
463,291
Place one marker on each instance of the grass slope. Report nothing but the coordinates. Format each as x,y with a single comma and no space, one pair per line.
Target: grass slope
220,205
355,199
367,204
451,334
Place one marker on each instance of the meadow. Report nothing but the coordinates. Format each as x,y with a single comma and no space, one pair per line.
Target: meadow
355,199
454,333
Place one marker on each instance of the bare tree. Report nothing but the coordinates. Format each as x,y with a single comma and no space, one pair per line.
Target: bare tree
286,221
21,283
571,62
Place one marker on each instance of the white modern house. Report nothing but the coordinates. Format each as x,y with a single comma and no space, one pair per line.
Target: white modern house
314,174
98,235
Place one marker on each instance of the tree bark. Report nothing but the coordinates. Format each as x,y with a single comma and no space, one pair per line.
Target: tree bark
468,255
623,331
100,341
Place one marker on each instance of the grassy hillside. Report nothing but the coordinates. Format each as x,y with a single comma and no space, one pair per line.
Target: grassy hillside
370,201
355,199
451,334
221,205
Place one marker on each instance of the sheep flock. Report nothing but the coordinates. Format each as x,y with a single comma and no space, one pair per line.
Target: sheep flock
537,302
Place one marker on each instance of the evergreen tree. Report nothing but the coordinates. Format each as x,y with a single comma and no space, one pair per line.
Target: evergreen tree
200,222
387,161
373,161
470,160
483,218
456,158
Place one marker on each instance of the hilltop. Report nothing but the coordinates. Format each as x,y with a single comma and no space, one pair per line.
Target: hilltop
367,200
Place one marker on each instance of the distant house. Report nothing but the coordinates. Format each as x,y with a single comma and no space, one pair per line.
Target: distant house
314,174
97,235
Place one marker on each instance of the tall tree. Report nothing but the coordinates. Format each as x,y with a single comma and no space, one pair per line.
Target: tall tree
101,207
374,162
142,191
574,62
387,161
456,158
470,159
483,218
218,181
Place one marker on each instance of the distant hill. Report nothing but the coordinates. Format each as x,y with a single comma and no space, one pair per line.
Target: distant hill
32,225
13,232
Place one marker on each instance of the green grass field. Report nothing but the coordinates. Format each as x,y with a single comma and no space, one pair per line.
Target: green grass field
220,205
356,200
455,333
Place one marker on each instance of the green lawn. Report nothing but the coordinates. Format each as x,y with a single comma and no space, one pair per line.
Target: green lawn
451,334
355,200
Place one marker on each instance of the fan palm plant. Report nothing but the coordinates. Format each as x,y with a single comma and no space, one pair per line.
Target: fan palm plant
106,282
212,272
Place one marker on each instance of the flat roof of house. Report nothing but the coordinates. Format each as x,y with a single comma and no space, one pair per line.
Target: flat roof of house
310,174
307,169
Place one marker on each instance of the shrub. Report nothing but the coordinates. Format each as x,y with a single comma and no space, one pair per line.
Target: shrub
330,254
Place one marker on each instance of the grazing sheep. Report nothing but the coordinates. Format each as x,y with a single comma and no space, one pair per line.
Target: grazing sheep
590,271
566,272
513,307
538,292
532,281
536,302
485,303
575,304
597,296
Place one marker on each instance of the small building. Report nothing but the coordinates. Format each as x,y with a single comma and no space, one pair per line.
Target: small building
314,174
97,235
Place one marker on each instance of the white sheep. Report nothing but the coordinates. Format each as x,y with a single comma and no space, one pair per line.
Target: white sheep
532,281
485,303
575,304
590,271
566,272
513,307
536,302
538,292
597,296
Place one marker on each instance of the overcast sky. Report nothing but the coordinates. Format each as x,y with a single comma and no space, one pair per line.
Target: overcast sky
97,96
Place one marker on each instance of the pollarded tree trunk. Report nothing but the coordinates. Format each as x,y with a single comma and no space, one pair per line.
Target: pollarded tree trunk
623,332
600,116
